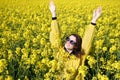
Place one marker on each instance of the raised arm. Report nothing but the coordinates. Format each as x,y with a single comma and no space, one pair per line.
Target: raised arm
54,34
89,33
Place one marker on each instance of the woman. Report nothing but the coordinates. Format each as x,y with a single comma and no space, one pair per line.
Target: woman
74,44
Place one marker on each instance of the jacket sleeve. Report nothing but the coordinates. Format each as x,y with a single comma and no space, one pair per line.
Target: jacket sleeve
55,35
86,45
87,41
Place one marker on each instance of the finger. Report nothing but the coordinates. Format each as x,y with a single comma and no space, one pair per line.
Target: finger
94,12
99,9
51,2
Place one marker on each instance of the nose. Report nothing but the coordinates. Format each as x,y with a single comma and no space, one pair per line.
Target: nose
68,42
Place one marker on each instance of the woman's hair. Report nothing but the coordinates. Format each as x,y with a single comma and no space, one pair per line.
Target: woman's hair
78,46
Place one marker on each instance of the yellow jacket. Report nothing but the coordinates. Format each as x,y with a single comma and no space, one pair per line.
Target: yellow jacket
71,63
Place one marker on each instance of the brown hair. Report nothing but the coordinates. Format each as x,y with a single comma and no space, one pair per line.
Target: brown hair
78,46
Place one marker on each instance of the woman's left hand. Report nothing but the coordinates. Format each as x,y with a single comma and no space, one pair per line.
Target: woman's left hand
96,14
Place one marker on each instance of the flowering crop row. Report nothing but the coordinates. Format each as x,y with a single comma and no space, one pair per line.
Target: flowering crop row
25,49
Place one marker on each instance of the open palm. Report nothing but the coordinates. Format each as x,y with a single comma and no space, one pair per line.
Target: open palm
96,14
52,8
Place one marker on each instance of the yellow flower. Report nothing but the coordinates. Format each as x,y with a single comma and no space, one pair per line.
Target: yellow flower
47,76
53,65
33,58
43,41
34,40
3,65
91,61
117,75
102,77
39,36
26,78
112,49
83,70
43,28
18,50
45,61
25,53
44,53
10,54
34,28
116,65
9,78
4,41
111,34
112,40
99,44
27,43
109,62
102,59
117,34
94,78
1,77
104,49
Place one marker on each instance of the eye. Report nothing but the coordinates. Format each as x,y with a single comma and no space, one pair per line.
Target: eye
72,42
67,38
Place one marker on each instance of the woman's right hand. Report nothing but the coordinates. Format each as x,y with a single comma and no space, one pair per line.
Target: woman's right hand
52,8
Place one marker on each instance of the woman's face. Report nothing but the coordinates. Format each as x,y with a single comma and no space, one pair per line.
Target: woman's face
70,42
